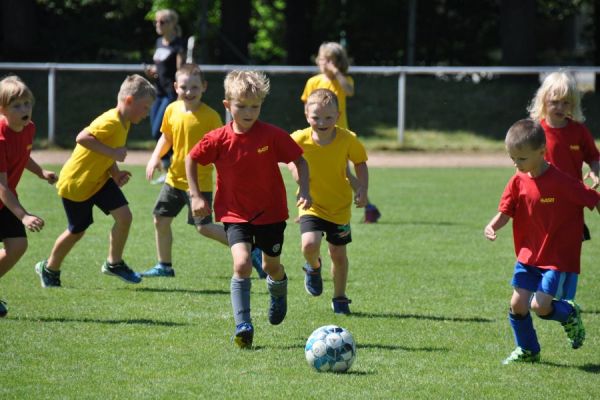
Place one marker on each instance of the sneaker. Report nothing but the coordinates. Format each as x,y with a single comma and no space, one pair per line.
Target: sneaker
372,214
520,355
122,271
573,326
313,283
3,309
277,309
159,271
47,278
257,263
244,333
159,180
340,305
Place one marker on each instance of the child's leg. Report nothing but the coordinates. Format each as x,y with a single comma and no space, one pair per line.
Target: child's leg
241,283
521,322
214,232
311,248
339,269
62,246
164,238
13,250
119,233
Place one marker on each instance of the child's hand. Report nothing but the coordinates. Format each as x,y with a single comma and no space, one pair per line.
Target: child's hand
121,177
32,223
595,179
200,207
304,201
489,233
153,165
360,198
49,176
120,153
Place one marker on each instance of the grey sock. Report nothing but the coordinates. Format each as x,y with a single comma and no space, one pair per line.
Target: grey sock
240,300
277,288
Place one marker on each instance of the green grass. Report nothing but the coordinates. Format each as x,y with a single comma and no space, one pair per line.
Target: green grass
430,299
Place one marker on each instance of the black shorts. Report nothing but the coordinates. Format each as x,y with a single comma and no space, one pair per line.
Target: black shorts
338,235
10,225
268,238
171,200
79,213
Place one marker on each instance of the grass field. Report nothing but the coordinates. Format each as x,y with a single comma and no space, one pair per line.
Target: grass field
430,300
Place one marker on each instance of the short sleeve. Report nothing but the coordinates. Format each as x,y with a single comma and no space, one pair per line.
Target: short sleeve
205,151
356,151
507,201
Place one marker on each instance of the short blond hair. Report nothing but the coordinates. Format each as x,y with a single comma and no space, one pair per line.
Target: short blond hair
240,84
322,97
336,53
136,86
190,69
557,86
13,88
525,133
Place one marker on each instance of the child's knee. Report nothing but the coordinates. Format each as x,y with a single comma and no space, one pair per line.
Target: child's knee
123,216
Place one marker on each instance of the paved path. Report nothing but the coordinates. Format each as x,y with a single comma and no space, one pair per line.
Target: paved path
376,159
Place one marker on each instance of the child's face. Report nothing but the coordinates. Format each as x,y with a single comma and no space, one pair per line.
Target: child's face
557,110
244,111
18,113
138,109
527,159
324,63
190,89
163,25
322,117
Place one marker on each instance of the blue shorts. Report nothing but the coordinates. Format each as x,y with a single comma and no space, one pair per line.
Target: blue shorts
535,279
79,213
268,238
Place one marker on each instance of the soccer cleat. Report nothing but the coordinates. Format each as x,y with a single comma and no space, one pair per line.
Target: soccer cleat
244,333
159,271
3,309
372,214
313,283
160,180
340,305
520,355
573,326
256,256
277,309
122,271
48,278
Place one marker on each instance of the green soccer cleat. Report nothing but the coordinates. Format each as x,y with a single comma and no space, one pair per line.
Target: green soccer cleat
520,355
573,326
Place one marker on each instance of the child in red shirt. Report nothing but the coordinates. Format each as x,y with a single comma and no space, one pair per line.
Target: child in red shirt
250,196
557,106
546,206
16,139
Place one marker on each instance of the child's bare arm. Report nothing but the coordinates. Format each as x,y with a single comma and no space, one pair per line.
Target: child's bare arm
594,174
35,168
162,147
494,225
8,198
198,204
304,199
87,140
292,167
362,175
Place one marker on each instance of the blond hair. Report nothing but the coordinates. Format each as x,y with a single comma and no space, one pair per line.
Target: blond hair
171,16
336,53
136,86
239,84
525,133
190,70
13,88
559,85
322,97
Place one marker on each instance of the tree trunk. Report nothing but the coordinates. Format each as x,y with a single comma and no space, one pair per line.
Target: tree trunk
18,27
235,31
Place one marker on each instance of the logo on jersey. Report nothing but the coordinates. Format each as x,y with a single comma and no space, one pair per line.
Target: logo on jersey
263,149
547,200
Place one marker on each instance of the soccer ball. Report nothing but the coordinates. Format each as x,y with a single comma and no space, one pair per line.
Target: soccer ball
330,348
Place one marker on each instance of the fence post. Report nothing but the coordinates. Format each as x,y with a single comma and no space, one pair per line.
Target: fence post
51,104
401,106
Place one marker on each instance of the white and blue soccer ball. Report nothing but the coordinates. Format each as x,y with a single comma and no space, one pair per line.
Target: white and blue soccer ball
330,348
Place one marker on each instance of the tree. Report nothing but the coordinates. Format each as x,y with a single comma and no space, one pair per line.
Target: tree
18,29
235,31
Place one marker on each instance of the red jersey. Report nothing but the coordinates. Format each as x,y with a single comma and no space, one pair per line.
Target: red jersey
15,148
547,213
250,187
567,148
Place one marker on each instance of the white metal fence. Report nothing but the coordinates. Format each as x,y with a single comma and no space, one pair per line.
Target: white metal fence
399,71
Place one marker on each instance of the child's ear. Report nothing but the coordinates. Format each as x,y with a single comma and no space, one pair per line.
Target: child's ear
129,100
226,104
204,86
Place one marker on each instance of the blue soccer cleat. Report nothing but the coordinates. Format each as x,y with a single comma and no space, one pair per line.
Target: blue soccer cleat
313,283
121,271
244,334
159,271
257,262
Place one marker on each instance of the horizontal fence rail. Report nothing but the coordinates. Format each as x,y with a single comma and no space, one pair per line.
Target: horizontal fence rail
400,71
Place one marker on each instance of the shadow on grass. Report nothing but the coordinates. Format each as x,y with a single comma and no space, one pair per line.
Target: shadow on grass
142,321
177,290
591,368
417,316
404,348
590,312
